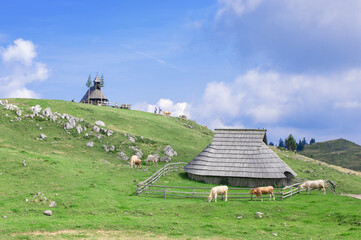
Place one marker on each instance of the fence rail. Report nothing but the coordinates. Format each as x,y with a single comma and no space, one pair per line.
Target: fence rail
147,187
171,167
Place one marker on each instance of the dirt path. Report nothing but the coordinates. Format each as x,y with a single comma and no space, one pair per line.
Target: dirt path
352,195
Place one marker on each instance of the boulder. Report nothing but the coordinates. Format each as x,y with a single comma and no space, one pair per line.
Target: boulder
99,136
69,125
3,102
106,148
109,133
79,129
169,151
112,148
53,118
48,213
42,136
36,109
96,129
165,159
52,204
18,112
100,123
132,139
137,151
11,107
47,112
89,144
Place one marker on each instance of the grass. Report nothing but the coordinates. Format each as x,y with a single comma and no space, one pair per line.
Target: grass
95,191
338,152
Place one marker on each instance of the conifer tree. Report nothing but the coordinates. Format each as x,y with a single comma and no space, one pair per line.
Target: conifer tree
291,143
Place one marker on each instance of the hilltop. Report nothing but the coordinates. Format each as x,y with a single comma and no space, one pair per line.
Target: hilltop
340,152
94,189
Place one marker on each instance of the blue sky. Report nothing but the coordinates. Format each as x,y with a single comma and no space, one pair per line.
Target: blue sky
287,66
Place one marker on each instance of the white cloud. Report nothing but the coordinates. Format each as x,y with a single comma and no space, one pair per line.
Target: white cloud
22,51
176,109
221,98
237,7
19,68
268,97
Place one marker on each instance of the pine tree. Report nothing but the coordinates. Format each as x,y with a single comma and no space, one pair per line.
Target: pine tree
304,141
271,144
281,143
300,146
312,141
291,143
88,84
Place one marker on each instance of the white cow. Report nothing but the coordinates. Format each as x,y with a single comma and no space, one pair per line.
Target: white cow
316,184
219,190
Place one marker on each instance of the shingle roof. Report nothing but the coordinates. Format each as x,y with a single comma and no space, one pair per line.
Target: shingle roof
95,94
238,153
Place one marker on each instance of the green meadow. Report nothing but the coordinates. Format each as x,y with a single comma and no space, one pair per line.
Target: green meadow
94,190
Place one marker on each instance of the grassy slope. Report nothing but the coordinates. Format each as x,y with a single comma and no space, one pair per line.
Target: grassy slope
93,194
338,152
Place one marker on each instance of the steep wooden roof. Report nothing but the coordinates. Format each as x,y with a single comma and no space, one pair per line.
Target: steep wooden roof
95,94
238,153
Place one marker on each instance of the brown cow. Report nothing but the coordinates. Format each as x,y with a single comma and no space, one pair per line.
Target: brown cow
263,190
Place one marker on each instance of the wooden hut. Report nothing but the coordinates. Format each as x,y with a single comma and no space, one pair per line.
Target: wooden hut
239,157
95,95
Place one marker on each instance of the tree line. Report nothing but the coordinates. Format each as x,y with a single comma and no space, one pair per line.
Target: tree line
291,144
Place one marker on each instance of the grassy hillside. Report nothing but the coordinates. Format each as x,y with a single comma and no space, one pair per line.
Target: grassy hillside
338,152
94,189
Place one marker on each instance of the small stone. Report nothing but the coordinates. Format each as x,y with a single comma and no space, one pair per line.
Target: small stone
239,217
109,133
106,148
26,200
274,234
90,144
100,123
4,216
24,163
48,213
42,136
52,204
150,214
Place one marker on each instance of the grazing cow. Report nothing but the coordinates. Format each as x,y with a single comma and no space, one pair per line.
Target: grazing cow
316,184
219,190
138,163
166,113
152,158
133,160
263,190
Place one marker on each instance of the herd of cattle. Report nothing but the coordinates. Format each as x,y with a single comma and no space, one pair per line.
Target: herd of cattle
223,190
135,161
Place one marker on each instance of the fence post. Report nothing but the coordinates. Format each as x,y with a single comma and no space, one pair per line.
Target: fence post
251,197
164,191
291,191
281,194
193,192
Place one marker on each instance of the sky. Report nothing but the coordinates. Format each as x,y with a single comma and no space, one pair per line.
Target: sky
288,66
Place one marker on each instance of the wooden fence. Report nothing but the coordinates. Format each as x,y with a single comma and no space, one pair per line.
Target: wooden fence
171,167
147,187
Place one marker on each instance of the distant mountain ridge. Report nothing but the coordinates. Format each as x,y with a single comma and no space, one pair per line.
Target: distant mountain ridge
340,152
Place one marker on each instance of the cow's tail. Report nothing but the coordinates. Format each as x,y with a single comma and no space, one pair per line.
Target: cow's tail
332,184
